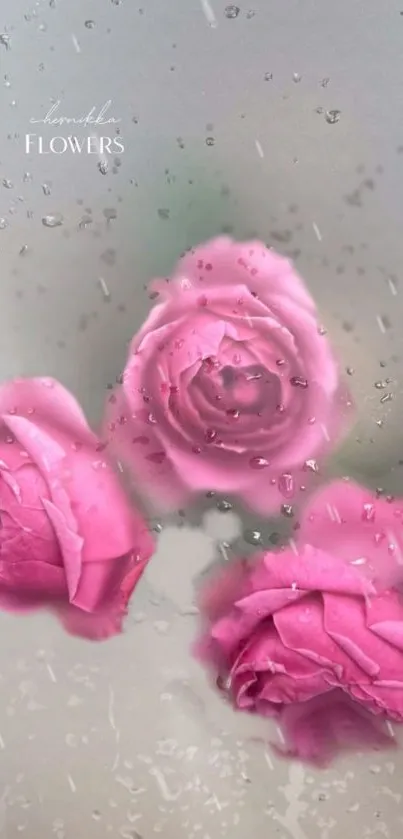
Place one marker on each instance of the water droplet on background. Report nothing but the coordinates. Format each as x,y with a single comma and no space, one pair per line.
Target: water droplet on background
332,116
210,141
287,510
3,223
252,537
103,167
7,183
53,220
224,506
231,11
89,24
296,78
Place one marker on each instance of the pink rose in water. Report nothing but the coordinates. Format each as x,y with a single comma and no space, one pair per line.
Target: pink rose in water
69,540
314,636
229,384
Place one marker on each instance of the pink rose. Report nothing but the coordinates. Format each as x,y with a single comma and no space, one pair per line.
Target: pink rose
229,385
68,538
314,636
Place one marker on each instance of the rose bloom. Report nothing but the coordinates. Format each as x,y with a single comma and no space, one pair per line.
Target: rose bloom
230,385
314,636
69,540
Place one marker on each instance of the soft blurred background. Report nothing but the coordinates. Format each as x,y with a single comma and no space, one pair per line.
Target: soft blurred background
281,119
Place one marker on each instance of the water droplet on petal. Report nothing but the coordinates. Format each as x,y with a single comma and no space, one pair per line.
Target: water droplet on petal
368,513
286,485
151,419
298,381
156,457
233,413
311,466
258,462
210,435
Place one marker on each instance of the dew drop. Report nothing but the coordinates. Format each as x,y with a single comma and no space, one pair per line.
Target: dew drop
332,116
54,220
224,506
258,462
231,11
252,537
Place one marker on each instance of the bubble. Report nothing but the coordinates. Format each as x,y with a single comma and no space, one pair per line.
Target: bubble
54,220
258,462
332,116
231,11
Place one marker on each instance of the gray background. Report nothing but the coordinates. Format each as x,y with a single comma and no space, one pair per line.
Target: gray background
126,738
